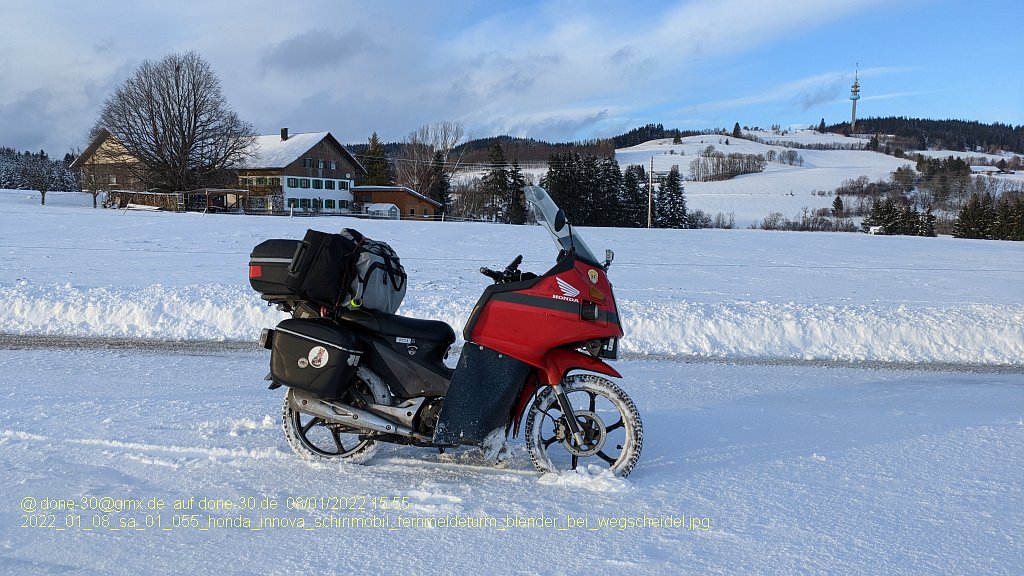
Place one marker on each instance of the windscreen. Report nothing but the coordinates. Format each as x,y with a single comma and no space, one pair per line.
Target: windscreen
544,210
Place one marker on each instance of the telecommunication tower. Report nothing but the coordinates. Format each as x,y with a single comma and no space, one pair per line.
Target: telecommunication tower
854,95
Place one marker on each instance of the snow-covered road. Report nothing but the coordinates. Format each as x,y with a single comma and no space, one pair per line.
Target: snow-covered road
756,469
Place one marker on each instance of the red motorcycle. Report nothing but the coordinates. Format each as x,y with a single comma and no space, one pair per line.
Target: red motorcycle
534,353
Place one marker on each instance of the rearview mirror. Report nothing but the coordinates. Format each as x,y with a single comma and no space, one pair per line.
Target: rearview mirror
559,220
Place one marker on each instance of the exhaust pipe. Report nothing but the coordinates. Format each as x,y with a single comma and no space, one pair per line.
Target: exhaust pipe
347,415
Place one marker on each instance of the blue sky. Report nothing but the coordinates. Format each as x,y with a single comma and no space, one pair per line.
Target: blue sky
562,70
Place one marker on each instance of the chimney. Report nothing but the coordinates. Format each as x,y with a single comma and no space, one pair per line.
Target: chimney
284,134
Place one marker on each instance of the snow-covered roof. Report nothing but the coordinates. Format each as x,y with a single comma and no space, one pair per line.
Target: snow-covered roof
271,152
395,188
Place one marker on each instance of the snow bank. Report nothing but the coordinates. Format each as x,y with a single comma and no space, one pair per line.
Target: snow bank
968,333
726,294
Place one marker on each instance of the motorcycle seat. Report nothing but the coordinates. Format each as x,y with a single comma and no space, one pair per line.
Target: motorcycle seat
394,325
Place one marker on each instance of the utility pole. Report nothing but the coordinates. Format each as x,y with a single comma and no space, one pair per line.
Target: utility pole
650,192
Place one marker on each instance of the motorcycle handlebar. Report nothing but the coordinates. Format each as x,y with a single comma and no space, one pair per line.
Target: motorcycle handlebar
492,274
510,274
514,265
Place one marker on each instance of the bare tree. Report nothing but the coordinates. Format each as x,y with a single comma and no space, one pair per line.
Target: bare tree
416,166
176,129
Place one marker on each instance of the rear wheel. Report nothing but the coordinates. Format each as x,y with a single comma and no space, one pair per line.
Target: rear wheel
317,440
608,419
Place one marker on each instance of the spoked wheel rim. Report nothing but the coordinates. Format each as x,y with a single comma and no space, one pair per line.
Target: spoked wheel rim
608,420
326,439
314,438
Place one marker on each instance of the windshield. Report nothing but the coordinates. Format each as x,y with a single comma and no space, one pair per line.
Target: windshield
544,210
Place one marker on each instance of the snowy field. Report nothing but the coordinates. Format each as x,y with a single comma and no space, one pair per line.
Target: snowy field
812,404
780,188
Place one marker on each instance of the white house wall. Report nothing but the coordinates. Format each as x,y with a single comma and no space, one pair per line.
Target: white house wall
342,198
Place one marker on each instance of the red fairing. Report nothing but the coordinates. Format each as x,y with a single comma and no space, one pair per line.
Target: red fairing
567,305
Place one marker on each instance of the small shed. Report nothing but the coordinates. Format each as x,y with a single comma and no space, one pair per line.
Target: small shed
383,210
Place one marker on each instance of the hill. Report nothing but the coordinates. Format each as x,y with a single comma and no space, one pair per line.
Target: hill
955,135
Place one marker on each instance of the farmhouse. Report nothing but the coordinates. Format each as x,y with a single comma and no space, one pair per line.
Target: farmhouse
308,172
106,165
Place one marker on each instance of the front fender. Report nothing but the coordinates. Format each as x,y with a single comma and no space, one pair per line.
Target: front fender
559,361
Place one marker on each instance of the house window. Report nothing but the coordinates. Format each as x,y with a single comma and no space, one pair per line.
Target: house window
275,181
318,184
293,202
304,203
329,204
261,181
343,204
293,182
307,162
334,165
320,164
329,184
412,211
342,184
303,182
243,182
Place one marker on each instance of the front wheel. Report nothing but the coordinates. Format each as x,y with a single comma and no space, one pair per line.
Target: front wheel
612,432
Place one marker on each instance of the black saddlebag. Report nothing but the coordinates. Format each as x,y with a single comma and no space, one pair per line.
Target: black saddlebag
314,355
268,267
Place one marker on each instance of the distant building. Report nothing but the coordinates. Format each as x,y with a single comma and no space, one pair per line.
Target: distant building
106,165
410,203
383,210
309,172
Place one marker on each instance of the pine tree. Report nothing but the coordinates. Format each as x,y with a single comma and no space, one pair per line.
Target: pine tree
671,206
821,126
873,218
837,206
633,202
1017,228
607,210
927,226
378,172
988,214
516,199
969,222
736,131
496,183
440,184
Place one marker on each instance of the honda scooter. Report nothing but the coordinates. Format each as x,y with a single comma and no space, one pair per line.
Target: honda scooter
533,360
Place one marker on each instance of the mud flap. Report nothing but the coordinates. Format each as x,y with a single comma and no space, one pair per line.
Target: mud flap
481,396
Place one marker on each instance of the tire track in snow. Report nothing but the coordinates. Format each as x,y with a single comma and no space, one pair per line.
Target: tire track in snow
232,453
